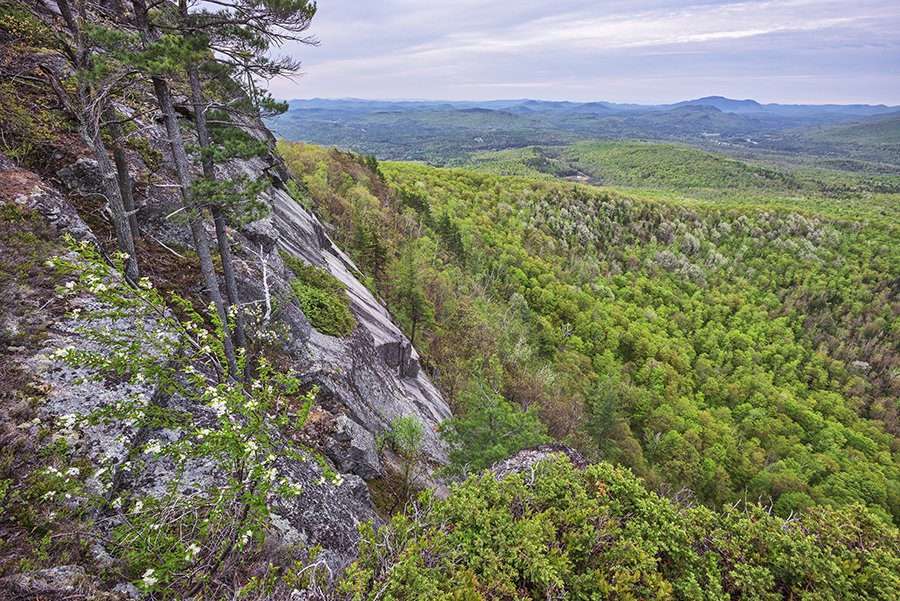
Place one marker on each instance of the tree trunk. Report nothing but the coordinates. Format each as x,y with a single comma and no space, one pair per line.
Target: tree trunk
125,183
89,129
195,214
209,172
182,168
91,137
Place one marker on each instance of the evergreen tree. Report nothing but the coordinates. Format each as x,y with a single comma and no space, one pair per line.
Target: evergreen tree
451,236
161,55
232,41
413,302
95,82
489,429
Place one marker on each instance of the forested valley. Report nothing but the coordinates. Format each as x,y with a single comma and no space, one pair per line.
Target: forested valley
732,353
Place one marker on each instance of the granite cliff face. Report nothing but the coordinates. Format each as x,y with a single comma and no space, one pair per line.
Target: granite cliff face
364,380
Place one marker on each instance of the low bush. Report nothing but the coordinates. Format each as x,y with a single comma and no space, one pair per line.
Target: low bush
322,298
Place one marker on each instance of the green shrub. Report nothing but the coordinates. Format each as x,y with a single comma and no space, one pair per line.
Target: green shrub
490,429
322,298
563,533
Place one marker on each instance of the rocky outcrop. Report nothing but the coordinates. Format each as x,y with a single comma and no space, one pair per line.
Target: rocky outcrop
365,380
526,459
371,377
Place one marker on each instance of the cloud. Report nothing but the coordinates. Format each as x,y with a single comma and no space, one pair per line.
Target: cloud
474,48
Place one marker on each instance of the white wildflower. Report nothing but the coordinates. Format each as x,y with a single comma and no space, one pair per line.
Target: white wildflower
148,579
137,507
73,472
154,447
192,551
246,537
218,405
117,503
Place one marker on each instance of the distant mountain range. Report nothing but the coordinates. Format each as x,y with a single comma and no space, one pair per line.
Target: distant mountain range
442,131
726,105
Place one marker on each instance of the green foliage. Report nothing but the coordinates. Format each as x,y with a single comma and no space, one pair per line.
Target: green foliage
24,27
28,130
707,340
640,164
489,429
413,307
237,195
561,533
322,298
702,316
405,437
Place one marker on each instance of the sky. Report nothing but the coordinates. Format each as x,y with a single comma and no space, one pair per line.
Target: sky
648,51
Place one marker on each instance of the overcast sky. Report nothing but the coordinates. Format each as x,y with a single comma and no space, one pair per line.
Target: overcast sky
632,50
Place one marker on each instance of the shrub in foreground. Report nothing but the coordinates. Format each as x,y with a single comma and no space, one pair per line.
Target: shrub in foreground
564,533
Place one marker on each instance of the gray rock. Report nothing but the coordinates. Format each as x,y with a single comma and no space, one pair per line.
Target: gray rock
326,513
29,191
61,579
525,460
860,367
126,590
262,233
352,449
373,375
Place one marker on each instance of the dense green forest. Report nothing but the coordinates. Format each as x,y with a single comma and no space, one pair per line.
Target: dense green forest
723,349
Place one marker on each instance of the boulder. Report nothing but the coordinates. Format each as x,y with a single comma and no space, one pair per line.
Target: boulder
525,460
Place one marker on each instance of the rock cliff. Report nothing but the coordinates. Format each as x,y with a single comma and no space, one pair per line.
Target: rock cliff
364,380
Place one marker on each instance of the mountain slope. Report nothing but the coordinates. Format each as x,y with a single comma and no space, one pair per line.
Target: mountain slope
882,130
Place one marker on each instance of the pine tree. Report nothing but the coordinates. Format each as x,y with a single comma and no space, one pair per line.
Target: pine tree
410,292
231,41
90,105
161,55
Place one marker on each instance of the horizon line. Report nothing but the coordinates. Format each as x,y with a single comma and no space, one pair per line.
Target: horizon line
599,101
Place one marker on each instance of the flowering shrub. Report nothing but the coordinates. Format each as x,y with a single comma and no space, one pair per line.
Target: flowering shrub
200,420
